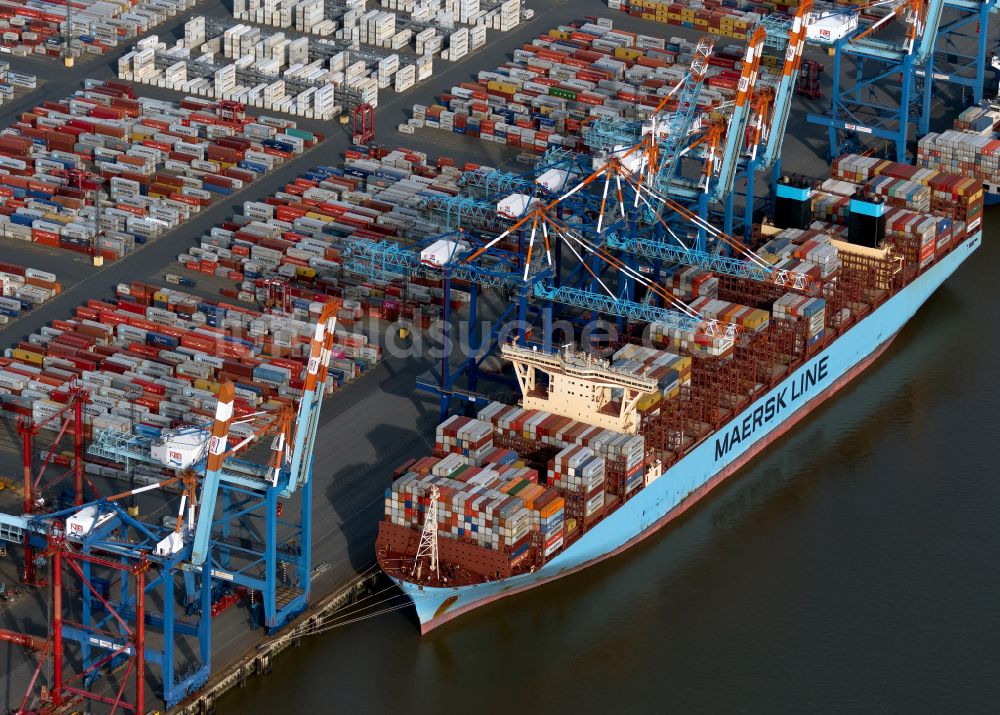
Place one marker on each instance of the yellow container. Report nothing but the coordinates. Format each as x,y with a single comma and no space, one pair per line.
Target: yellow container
627,53
305,272
649,400
209,385
319,217
27,356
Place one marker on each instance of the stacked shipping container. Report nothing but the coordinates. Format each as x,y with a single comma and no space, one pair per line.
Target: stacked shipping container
553,86
495,507
175,348
24,288
36,26
160,163
971,149
931,211
300,233
725,18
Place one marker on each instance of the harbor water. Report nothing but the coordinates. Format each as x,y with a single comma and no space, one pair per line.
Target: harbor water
851,567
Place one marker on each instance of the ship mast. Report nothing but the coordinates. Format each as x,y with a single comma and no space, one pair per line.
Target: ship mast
429,537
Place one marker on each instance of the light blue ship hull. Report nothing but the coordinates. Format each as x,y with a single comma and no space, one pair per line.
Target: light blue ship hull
715,458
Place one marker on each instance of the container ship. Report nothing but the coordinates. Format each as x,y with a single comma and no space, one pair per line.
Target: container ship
601,452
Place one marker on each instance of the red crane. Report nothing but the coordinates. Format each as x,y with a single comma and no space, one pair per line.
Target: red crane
364,124
72,411
808,82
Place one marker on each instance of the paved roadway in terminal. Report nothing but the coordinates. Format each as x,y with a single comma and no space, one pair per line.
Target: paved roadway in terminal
372,425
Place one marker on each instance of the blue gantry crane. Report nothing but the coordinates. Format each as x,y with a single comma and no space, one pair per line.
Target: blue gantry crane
883,87
241,524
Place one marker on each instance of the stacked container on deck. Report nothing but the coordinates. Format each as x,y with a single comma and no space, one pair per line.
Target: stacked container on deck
810,311
806,251
690,282
175,348
579,476
672,372
971,149
483,490
575,73
160,163
746,317
494,506
965,153
931,211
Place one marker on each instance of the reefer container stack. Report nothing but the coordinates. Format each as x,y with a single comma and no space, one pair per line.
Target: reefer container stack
37,27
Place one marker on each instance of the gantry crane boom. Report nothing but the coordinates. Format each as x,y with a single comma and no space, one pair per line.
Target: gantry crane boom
737,127
217,444
678,125
931,25
786,86
307,418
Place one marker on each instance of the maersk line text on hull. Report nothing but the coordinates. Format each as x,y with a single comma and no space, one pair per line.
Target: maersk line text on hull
811,376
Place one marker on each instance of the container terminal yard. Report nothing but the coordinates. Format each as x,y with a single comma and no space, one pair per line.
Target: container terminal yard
74,639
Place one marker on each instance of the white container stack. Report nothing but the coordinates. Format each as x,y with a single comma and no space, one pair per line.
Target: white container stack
38,27
458,44
303,82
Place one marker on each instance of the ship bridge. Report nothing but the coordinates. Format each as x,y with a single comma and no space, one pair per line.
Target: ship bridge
580,387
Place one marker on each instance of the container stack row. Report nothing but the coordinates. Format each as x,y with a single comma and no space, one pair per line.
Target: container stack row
23,288
394,26
465,436
807,251
623,454
301,75
11,82
725,18
578,474
299,15
37,27
693,342
690,282
300,234
571,75
152,163
671,371
173,349
748,318
590,461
